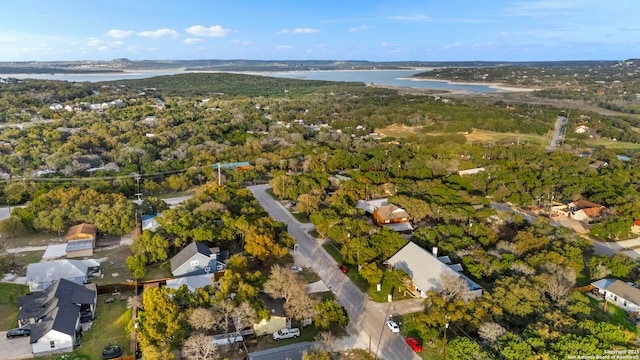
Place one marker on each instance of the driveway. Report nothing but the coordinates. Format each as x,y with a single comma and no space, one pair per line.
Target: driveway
16,348
367,319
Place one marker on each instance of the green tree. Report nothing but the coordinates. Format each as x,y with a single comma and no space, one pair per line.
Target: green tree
162,323
371,272
463,348
330,313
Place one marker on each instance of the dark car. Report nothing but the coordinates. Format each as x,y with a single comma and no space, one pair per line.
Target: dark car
343,268
18,332
414,344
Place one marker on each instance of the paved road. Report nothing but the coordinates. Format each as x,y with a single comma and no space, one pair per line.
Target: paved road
367,325
561,122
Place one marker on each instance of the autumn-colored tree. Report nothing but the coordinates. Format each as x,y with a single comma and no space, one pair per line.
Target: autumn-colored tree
199,347
202,319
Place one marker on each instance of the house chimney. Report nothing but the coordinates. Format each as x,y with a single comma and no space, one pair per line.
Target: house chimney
434,251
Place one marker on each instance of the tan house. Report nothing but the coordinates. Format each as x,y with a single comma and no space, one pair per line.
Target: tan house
635,228
390,214
81,240
581,210
277,317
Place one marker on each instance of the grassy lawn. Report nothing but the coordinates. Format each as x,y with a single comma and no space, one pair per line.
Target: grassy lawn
28,238
613,314
114,269
362,284
9,294
158,271
22,259
107,328
430,350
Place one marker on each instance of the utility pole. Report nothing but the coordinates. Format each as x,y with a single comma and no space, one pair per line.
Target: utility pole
444,348
219,178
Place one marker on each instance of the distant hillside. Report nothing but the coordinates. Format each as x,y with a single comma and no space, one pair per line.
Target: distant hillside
34,67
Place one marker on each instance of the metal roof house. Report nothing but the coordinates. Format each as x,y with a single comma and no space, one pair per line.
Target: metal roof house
426,270
43,274
81,240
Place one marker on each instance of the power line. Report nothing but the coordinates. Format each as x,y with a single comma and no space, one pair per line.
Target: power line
95,178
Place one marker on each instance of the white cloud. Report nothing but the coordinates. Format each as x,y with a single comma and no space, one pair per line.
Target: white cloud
417,17
212,31
284,31
305,31
134,48
388,44
284,47
358,28
242,42
160,33
119,34
454,45
103,45
191,41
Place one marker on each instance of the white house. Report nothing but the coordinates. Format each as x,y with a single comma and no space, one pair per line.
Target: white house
471,171
620,293
426,270
56,315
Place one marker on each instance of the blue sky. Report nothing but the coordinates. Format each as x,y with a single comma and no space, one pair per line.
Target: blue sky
376,30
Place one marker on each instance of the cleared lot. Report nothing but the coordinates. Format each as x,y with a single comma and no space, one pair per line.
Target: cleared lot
16,348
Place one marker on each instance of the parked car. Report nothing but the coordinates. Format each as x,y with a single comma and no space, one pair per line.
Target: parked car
393,326
286,333
414,344
18,332
343,268
296,269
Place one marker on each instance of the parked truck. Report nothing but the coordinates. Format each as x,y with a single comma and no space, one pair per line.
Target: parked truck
286,333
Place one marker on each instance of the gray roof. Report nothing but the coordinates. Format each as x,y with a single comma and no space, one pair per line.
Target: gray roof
370,205
188,252
56,308
620,288
49,271
192,282
424,269
275,306
293,352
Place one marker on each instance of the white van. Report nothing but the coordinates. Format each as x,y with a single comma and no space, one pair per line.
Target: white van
286,333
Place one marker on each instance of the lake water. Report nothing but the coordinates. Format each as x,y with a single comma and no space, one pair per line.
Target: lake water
379,77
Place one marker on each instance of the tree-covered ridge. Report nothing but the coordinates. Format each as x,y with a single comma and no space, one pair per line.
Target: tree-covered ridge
610,85
176,122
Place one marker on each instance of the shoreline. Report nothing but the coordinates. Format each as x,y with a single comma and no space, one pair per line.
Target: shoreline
497,86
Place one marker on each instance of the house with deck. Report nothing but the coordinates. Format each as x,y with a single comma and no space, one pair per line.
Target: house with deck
620,293
57,316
